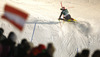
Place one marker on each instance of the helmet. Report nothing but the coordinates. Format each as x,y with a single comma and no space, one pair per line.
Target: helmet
62,8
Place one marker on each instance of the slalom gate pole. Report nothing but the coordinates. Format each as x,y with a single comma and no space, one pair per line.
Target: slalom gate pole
33,32
61,4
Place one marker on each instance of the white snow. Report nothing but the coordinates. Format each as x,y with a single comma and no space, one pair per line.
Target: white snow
68,38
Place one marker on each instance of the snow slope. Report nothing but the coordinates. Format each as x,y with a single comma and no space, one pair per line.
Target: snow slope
68,38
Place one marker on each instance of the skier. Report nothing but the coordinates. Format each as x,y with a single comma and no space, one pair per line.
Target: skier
65,13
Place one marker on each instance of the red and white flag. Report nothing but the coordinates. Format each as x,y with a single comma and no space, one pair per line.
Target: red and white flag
15,16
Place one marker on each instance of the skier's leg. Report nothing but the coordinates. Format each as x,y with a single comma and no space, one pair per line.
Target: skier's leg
67,17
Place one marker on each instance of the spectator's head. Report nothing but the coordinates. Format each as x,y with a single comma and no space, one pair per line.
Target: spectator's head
85,52
12,36
1,31
96,53
41,47
31,45
50,49
78,55
24,41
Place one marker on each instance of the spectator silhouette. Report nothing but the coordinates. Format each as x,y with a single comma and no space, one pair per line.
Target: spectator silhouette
12,41
85,52
43,51
50,49
78,55
96,53
37,51
23,48
47,52
2,37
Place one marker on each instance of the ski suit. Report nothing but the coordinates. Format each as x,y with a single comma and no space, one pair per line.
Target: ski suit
65,14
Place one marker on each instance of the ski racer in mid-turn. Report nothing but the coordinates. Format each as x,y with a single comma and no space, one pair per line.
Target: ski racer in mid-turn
66,15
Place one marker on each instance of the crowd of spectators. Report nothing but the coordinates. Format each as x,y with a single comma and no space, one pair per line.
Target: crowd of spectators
8,48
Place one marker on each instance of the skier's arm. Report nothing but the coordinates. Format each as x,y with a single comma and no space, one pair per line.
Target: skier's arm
60,15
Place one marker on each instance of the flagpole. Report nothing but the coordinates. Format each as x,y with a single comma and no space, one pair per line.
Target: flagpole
33,32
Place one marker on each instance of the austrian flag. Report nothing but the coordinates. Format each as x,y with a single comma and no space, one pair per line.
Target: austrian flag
15,16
